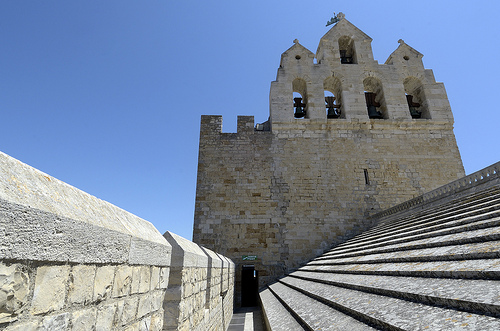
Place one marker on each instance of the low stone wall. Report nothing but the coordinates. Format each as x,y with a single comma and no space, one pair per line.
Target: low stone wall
69,261
200,294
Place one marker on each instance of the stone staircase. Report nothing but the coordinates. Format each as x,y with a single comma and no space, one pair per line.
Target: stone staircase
430,263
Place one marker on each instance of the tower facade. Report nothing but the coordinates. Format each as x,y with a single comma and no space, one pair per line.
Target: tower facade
346,137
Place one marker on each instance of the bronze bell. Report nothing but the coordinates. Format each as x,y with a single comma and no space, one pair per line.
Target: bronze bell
299,108
373,112
333,109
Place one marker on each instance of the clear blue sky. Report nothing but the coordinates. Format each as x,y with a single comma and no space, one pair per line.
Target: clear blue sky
107,95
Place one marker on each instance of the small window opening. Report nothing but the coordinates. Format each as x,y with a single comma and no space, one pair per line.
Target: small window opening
367,179
372,105
300,107
332,107
406,57
347,52
344,58
414,107
297,57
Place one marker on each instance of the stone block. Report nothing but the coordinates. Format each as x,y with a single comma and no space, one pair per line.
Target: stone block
50,289
123,281
145,324
155,278
84,320
136,278
14,287
129,310
81,284
58,322
157,321
103,283
105,317
145,279
157,298
117,320
164,276
144,307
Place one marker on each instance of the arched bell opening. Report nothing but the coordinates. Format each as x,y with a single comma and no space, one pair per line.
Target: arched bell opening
347,50
415,98
299,98
333,98
374,98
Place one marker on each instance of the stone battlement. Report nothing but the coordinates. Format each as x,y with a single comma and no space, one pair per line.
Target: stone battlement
71,261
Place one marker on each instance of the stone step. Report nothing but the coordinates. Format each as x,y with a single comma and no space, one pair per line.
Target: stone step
428,220
424,226
468,269
276,316
481,250
439,211
461,203
480,295
484,223
391,313
459,238
316,315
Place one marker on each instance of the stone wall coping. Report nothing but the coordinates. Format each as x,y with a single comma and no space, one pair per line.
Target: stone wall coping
185,253
216,260
25,185
481,177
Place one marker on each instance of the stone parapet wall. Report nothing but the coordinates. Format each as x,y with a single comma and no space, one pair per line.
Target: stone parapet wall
69,261
200,294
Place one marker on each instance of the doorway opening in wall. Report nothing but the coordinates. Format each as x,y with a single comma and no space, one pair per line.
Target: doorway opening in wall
249,286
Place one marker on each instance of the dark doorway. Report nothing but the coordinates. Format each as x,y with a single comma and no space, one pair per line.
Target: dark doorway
249,286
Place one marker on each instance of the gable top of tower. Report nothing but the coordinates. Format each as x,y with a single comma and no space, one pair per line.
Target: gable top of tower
343,28
297,52
404,51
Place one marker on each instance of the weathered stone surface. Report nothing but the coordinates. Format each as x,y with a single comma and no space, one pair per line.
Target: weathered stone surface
58,322
44,236
157,321
14,287
145,303
83,320
145,324
24,326
136,278
129,310
123,281
155,278
25,185
50,290
164,277
276,314
105,317
103,284
81,284
145,279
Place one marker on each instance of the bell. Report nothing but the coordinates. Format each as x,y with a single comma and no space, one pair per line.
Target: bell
299,110
373,112
333,110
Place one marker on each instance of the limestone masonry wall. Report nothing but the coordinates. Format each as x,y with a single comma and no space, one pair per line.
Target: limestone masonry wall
286,190
69,261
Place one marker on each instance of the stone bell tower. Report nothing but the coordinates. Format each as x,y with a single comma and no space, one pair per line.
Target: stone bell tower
346,138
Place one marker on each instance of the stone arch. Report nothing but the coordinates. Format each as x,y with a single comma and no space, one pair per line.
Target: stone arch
299,89
415,96
374,97
347,50
334,86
